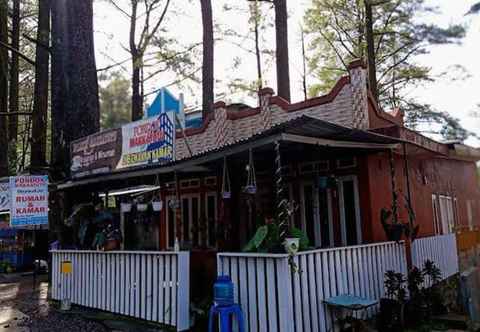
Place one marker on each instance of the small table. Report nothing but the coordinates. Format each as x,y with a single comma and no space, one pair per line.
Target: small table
350,303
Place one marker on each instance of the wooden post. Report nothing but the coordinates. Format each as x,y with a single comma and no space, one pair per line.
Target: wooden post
408,241
178,210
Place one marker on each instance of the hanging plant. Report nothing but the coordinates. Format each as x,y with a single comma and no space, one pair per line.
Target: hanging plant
251,186
157,205
226,191
125,207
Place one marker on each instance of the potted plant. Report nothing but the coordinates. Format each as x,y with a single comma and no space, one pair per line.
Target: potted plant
125,207
393,228
157,205
391,307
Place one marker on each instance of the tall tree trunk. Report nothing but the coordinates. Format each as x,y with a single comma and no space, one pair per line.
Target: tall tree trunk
208,57
75,108
83,99
59,87
3,89
281,34
137,102
372,73
13,93
258,53
40,98
304,62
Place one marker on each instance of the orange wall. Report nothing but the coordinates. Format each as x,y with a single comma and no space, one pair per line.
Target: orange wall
427,176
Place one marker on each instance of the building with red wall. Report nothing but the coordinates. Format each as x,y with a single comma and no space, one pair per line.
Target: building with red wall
338,153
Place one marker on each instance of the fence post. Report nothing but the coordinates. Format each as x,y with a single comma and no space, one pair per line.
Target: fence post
183,291
285,299
409,253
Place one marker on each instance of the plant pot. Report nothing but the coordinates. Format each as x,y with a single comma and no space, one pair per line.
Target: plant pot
291,245
250,189
226,194
125,207
394,231
142,207
157,206
111,245
389,318
174,204
322,182
415,311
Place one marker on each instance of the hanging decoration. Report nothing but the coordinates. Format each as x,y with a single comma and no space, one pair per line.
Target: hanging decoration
251,187
226,191
157,203
125,207
282,204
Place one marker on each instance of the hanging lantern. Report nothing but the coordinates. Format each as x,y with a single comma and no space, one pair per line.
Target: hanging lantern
251,187
226,191
157,205
125,207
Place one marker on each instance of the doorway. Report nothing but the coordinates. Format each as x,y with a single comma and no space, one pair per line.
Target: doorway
349,205
316,214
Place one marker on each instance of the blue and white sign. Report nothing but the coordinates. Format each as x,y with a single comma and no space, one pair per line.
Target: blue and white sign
148,141
28,200
166,102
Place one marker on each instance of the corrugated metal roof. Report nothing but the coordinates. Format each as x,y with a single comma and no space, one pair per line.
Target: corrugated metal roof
304,125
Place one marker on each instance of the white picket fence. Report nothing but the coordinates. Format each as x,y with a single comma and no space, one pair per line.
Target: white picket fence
144,284
275,297
441,249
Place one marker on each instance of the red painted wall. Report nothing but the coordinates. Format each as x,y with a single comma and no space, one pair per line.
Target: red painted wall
427,176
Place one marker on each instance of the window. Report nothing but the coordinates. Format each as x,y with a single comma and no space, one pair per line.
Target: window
445,213
437,226
470,214
347,162
211,218
314,167
188,184
190,212
211,181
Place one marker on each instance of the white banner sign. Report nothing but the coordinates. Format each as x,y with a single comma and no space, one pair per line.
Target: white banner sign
148,141
29,200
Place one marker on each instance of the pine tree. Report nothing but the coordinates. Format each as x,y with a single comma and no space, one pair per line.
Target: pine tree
388,36
3,88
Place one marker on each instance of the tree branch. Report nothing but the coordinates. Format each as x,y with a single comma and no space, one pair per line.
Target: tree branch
120,9
38,43
15,113
20,54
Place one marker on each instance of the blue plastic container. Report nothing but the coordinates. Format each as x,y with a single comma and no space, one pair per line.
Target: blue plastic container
223,291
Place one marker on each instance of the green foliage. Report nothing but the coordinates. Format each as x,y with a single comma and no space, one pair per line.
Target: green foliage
267,239
115,101
395,286
298,233
337,33
257,240
415,279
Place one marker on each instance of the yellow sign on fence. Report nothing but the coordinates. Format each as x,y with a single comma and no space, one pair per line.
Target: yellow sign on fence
66,267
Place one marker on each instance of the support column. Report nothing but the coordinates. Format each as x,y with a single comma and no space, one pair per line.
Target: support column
282,214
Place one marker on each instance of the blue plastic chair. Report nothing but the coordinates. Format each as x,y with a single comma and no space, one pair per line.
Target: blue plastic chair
225,314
